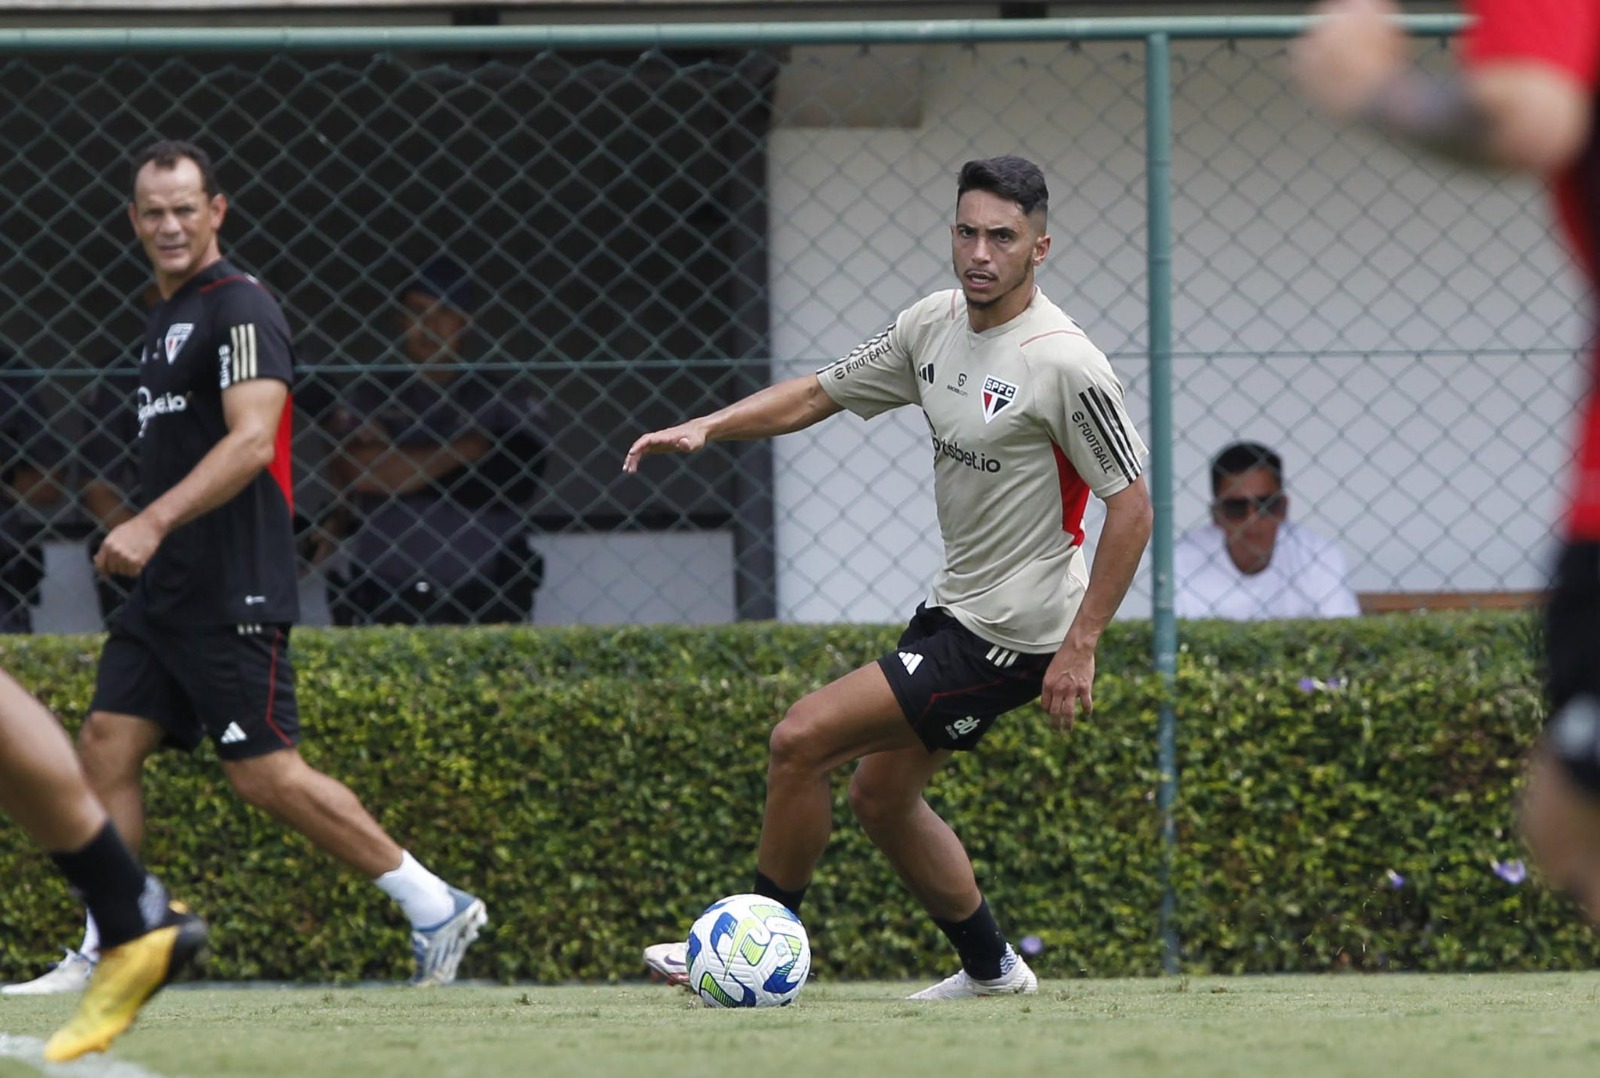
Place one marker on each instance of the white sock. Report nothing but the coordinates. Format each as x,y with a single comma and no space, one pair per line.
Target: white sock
90,947
424,898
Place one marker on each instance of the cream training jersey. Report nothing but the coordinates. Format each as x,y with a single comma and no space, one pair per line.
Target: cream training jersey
1026,419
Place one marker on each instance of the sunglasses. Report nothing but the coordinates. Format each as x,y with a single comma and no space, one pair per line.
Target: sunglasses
1237,509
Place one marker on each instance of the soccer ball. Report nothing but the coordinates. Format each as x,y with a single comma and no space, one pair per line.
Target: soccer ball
748,951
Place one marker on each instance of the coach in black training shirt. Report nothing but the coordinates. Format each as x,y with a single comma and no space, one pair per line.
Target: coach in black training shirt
235,563
201,647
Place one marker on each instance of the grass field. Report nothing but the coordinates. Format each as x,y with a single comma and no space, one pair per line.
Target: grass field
1304,1027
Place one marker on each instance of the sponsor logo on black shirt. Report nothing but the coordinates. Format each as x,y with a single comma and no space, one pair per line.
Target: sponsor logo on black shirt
151,406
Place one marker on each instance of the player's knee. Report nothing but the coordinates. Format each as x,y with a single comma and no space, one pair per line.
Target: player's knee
785,746
260,782
106,751
866,803
92,737
873,805
793,744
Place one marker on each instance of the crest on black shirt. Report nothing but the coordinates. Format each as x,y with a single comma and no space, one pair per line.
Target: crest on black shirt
177,334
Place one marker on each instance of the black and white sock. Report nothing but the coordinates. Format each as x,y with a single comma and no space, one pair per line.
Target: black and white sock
124,900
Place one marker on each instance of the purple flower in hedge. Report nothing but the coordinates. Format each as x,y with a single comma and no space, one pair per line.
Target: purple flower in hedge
1311,684
1394,879
1032,945
1513,872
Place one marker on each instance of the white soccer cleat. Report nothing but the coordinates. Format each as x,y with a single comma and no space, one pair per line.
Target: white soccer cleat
671,960
1019,980
69,975
438,950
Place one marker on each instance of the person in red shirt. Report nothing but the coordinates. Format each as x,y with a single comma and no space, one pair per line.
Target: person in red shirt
1520,97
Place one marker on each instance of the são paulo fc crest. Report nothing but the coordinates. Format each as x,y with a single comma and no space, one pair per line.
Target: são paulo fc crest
997,397
177,334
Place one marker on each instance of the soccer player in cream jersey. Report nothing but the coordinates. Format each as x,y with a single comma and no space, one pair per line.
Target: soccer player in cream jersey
1026,419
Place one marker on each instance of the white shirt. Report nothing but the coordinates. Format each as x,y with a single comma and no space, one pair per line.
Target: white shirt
1025,420
1304,579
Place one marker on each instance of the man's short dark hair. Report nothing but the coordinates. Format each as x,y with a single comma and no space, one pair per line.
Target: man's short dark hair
1010,177
1241,457
166,154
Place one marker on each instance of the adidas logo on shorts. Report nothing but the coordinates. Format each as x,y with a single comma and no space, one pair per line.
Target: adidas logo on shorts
233,735
1000,656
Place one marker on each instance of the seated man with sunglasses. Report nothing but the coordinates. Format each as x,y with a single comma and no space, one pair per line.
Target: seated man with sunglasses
1251,562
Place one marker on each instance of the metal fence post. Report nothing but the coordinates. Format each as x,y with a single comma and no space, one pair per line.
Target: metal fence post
1158,176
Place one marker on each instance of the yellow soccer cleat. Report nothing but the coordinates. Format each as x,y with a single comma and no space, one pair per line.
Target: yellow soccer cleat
126,977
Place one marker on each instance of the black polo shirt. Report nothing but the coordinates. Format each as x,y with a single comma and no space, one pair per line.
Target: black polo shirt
235,564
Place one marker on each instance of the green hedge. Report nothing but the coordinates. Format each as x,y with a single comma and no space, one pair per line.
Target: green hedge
598,787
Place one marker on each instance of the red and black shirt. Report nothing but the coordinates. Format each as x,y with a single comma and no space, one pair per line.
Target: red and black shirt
1563,34
236,563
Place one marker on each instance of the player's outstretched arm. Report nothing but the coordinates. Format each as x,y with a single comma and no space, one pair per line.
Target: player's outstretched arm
780,409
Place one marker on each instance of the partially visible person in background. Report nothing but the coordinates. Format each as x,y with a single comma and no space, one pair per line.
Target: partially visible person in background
146,939
33,463
436,469
1251,562
1519,96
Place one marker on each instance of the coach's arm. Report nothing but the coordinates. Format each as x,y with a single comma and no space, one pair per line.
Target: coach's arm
252,410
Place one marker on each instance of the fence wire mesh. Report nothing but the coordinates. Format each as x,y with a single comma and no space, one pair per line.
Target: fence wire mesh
596,243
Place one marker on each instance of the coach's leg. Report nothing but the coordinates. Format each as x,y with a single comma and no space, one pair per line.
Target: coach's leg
842,721
445,920
114,748
320,807
886,796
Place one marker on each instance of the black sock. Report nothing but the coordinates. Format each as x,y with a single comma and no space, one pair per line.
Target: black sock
112,882
979,941
767,889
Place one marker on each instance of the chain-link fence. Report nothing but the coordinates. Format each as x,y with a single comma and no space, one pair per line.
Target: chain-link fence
597,234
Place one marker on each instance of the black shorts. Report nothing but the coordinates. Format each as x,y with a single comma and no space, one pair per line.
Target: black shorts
234,683
952,684
1572,626
1572,663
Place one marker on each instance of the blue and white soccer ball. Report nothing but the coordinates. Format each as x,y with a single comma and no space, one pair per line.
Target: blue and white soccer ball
748,951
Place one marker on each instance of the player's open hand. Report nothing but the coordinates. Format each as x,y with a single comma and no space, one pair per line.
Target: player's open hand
128,548
1343,60
684,438
1069,685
